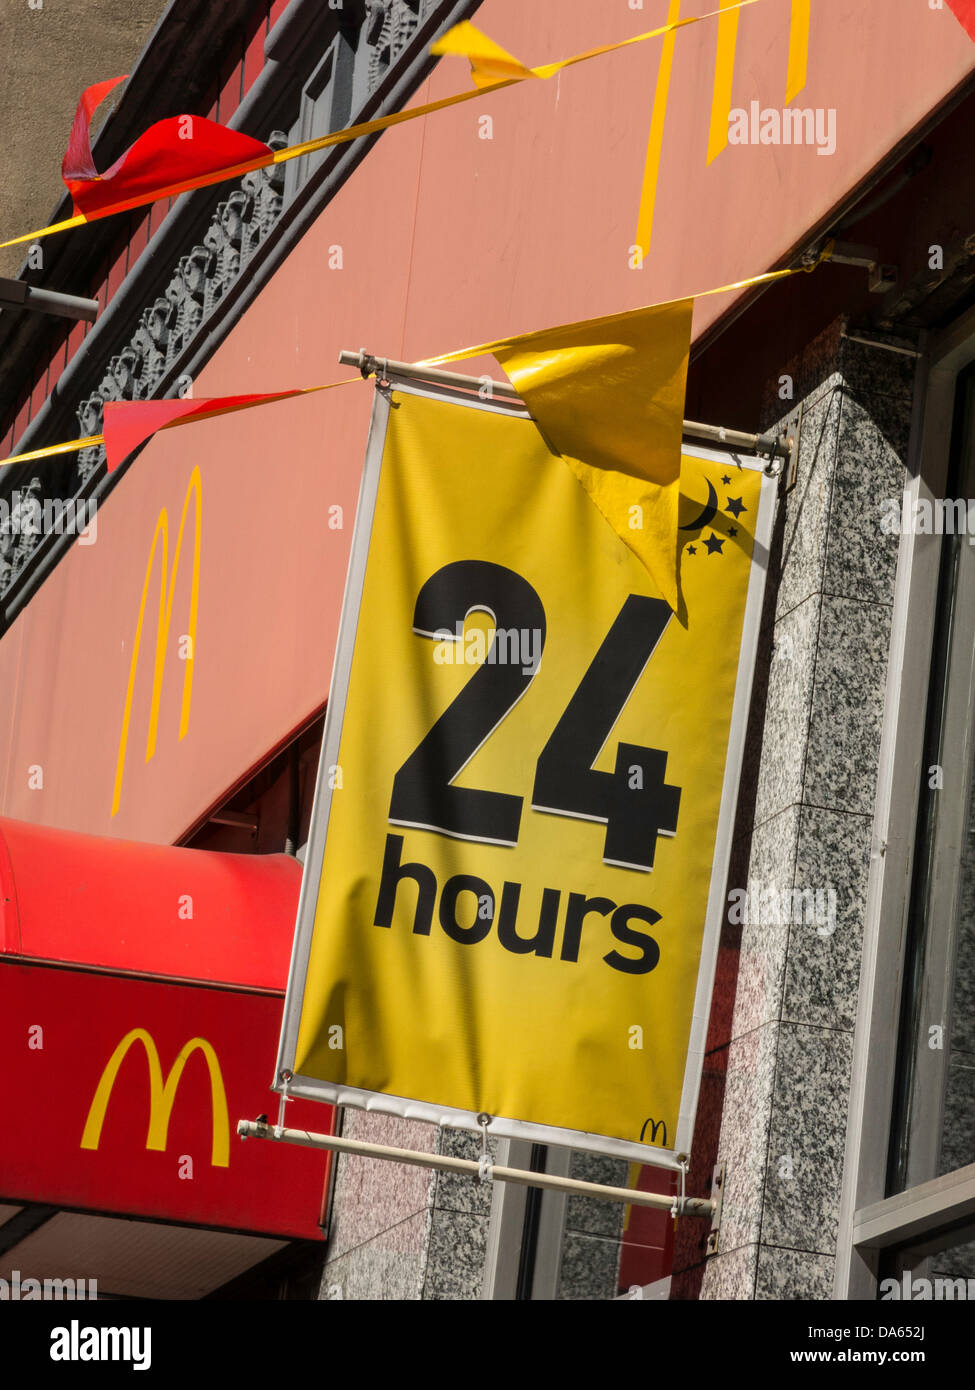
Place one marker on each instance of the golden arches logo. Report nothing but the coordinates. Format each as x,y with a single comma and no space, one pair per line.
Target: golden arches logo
724,67
160,542
162,1093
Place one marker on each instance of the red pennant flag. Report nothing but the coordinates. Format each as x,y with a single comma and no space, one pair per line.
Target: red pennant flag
170,154
127,424
964,12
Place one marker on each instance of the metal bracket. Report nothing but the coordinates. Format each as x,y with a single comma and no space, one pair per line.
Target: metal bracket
717,1197
236,819
792,467
370,365
721,438
869,338
17,294
880,277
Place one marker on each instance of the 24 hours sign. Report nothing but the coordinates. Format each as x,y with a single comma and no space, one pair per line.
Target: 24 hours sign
516,868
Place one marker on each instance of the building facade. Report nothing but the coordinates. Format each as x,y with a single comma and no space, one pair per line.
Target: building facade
835,1092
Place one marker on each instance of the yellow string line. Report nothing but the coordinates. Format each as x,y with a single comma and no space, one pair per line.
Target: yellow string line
89,441
481,349
458,355
354,132
549,69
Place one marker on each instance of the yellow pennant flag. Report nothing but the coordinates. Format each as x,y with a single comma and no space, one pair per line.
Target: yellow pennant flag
490,63
608,394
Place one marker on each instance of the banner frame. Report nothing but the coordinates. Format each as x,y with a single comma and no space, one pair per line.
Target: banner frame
310,1088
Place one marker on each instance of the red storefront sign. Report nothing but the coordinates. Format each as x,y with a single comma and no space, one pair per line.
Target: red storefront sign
122,1095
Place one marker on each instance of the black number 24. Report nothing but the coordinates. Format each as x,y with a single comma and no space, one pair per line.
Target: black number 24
634,801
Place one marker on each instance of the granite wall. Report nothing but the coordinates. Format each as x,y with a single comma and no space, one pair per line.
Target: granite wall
774,1100
399,1232
590,1255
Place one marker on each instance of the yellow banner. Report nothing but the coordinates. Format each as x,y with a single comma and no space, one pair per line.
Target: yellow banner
521,783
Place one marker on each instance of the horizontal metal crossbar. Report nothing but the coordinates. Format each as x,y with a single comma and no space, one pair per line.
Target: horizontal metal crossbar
369,365
687,1206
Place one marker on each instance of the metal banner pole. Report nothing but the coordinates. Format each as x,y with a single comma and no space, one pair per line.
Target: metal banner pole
678,1205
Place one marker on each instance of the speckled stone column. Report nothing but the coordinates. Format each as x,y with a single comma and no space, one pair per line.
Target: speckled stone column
399,1232
590,1256
774,1100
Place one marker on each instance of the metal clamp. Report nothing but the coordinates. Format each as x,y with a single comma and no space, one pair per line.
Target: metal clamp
286,1079
718,1176
484,1163
680,1199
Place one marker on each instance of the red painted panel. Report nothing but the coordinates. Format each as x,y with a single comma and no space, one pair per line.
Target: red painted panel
51,1088
117,270
57,363
39,394
76,337
254,50
278,8
647,1252
138,238
101,294
22,418
157,910
230,88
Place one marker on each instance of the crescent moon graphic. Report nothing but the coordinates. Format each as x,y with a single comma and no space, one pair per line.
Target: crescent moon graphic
709,513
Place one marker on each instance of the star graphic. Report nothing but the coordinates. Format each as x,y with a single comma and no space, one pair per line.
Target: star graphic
735,506
714,545
692,550
726,480
732,530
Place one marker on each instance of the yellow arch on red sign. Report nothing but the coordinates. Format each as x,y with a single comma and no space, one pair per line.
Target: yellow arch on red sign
162,1093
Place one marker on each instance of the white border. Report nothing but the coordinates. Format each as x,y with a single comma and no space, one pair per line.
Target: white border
311,1088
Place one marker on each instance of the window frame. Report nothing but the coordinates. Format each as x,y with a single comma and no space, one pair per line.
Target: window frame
870,1221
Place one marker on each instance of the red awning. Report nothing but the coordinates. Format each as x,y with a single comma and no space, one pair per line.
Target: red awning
185,914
